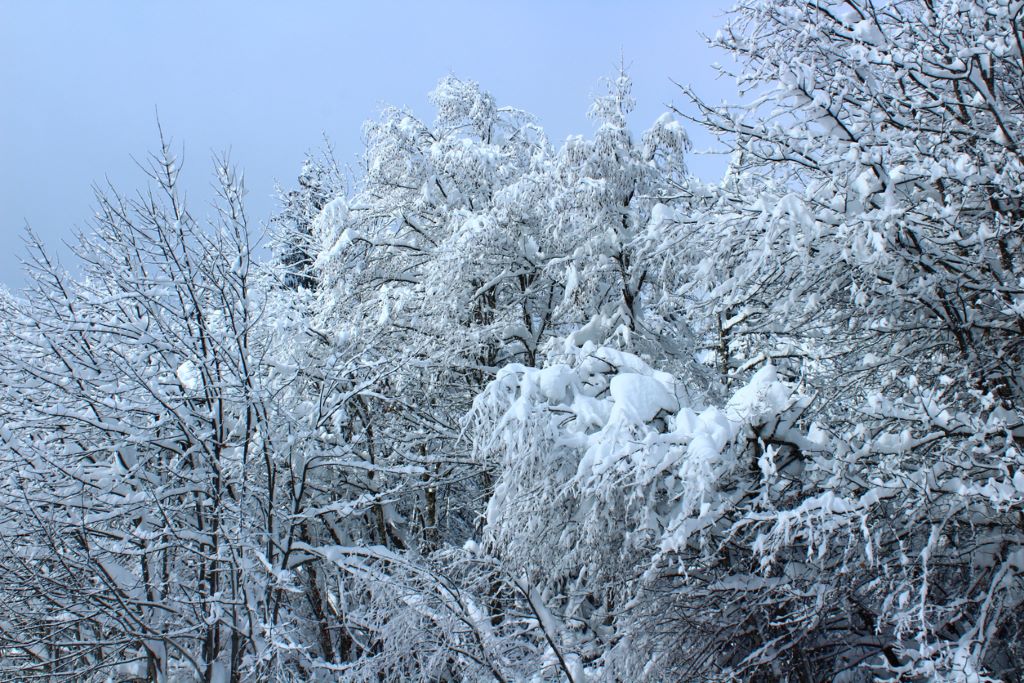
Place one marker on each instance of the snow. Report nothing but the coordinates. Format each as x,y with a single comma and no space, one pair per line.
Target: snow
188,375
638,398
764,395
866,31
661,214
572,282
554,382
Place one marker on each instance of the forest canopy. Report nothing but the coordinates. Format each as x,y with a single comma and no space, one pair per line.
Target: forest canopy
501,408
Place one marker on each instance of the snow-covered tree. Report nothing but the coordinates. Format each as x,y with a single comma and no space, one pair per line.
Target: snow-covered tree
174,435
622,509
470,243
875,201
866,241
294,244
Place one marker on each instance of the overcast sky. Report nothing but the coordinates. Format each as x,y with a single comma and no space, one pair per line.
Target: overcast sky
80,83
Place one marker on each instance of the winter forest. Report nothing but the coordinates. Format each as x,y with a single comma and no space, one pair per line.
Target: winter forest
498,407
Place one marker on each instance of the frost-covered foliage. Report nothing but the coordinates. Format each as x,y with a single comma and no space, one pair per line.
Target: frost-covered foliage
500,410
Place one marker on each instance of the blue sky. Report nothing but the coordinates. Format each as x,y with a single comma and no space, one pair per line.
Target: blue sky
81,83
